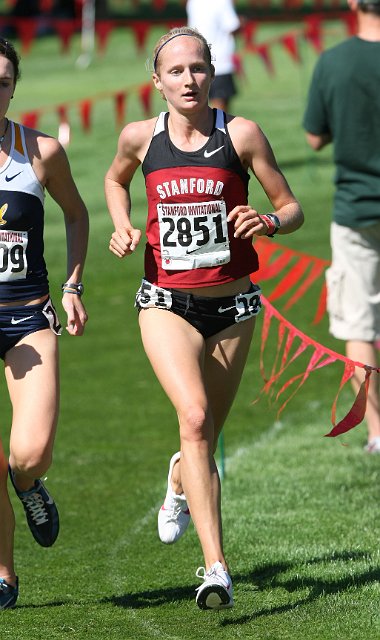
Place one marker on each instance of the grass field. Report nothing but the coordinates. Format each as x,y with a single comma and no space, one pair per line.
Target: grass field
300,511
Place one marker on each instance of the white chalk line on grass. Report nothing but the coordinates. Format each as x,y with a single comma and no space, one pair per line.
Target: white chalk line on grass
150,518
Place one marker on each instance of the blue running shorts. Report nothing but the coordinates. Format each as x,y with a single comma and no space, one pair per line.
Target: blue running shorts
18,322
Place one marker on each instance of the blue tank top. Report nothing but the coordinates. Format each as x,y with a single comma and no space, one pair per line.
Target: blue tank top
23,273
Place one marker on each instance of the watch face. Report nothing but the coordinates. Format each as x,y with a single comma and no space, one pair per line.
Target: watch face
79,288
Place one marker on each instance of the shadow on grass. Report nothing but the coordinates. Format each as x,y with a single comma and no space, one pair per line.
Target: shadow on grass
151,598
264,578
268,578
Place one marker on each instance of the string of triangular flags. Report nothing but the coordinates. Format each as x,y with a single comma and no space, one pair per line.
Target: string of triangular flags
311,31
300,271
27,29
85,109
291,343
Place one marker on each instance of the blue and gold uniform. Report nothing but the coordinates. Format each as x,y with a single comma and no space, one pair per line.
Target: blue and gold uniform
23,273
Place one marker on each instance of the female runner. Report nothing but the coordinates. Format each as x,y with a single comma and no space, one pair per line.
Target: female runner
197,304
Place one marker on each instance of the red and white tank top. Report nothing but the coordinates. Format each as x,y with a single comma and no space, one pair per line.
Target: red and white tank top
189,241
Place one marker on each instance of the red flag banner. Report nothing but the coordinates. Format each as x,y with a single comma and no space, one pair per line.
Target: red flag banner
159,5
65,29
313,32
62,113
145,92
298,272
263,51
103,29
291,343
30,119
248,32
290,43
26,29
85,113
120,99
351,20
141,29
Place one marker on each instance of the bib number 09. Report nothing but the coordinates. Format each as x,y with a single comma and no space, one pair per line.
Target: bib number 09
11,259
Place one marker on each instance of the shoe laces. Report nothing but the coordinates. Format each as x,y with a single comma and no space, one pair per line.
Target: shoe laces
175,506
5,587
212,573
201,573
35,505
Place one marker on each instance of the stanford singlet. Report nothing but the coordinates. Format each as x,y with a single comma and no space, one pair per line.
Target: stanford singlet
23,274
189,241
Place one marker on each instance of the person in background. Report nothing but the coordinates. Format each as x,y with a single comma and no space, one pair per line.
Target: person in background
30,163
218,22
197,304
343,108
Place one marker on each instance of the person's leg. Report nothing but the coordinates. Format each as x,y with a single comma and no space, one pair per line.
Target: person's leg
226,356
366,353
222,90
176,352
181,361
32,376
224,362
225,359
31,370
354,307
7,525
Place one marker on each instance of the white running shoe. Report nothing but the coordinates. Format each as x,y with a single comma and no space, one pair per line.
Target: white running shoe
373,445
174,515
216,592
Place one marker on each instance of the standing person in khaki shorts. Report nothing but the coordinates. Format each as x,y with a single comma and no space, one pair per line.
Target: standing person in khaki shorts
344,108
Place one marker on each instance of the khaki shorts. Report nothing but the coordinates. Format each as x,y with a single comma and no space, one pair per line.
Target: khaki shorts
353,283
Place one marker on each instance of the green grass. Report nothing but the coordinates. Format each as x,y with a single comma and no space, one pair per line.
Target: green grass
300,510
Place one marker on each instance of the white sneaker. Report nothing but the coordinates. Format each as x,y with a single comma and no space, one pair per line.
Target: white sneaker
216,592
373,445
174,515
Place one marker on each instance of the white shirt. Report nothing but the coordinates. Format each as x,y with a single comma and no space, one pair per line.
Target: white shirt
216,20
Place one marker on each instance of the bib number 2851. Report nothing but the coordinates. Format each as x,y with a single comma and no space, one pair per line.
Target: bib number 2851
193,235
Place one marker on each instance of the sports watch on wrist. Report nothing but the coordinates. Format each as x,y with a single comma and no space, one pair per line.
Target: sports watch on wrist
71,287
275,221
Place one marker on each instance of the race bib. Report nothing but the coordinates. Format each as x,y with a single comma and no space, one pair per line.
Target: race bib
149,295
13,263
193,235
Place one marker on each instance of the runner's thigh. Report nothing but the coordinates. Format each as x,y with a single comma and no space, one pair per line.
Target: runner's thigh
225,359
176,352
31,370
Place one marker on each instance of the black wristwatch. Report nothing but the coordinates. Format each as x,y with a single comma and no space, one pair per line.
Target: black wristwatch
73,287
276,223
